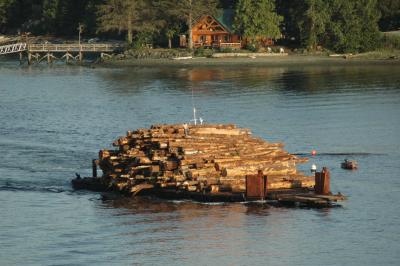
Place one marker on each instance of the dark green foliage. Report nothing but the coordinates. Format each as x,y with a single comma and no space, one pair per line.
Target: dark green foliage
390,19
338,25
390,41
292,11
226,50
4,12
72,12
203,52
255,19
145,53
142,39
251,47
313,22
49,14
353,26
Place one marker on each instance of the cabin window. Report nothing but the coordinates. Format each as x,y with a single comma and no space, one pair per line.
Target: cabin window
215,38
227,38
202,38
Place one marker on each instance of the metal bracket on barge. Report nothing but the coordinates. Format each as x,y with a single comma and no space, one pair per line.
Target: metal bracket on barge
208,163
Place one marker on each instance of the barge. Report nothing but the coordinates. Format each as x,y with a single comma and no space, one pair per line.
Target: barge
207,163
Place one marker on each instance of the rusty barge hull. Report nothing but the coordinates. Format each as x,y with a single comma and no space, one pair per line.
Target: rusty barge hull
276,197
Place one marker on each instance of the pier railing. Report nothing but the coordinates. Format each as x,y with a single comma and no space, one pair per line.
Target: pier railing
36,48
12,48
54,48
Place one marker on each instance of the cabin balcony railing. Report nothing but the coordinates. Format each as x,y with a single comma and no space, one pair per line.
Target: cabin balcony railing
232,45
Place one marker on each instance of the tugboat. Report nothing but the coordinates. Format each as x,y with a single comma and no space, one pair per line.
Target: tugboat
349,164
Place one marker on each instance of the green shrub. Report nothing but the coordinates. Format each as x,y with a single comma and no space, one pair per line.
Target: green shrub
275,49
390,41
145,53
203,52
142,39
252,48
226,50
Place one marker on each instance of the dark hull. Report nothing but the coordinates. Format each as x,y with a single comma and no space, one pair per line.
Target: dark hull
283,197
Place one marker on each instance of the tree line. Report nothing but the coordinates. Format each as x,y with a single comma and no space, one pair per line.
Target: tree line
339,25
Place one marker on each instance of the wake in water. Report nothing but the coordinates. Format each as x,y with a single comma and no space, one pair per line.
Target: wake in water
340,154
10,185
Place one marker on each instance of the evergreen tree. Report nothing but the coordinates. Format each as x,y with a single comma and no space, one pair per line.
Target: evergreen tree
128,16
49,14
120,15
390,19
69,14
313,22
255,19
4,9
292,11
353,26
90,16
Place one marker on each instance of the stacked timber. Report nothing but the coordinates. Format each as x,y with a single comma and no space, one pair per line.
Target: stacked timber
204,158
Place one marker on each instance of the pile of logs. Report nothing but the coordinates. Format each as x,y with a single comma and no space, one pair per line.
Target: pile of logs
203,158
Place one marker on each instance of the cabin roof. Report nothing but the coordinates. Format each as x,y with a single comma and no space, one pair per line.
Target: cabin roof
226,19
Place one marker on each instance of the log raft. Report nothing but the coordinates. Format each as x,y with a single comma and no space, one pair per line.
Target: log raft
213,162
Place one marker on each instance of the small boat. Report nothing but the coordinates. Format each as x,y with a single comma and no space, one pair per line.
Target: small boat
349,164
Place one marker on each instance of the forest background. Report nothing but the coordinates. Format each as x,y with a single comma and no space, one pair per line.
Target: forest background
338,25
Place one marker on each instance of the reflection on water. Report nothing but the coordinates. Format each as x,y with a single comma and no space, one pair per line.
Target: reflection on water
55,119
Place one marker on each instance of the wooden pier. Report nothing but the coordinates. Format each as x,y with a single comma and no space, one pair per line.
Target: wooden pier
50,52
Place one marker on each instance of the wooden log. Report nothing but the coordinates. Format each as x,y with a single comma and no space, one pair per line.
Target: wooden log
140,187
239,163
267,170
190,183
168,185
218,131
169,165
104,154
179,178
208,181
142,160
203,172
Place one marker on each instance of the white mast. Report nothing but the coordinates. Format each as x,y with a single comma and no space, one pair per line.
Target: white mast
194,110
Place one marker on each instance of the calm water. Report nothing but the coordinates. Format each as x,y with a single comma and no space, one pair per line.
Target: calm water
53,120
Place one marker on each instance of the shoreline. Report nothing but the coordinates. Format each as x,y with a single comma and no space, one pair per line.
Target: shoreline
290,60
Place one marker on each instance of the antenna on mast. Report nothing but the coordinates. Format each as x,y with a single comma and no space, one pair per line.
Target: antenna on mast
194,116
194,110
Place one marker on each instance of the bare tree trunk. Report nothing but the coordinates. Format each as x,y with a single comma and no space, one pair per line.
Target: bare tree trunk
190,25
129,36
169,43
313,37
190,31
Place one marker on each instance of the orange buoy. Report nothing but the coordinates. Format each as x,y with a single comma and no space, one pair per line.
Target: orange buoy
313,152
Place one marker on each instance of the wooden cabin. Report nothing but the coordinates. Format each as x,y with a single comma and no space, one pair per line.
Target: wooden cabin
217,32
